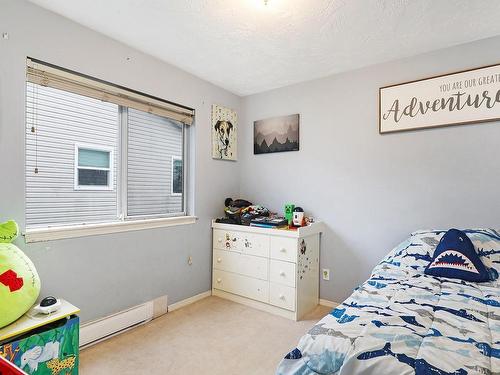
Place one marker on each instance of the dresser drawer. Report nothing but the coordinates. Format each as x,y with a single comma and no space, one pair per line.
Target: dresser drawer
247,243
247,265
225,240
282,272
282,296
283,248
254,244
241,285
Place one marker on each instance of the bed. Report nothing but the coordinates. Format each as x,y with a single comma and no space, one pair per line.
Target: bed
402,321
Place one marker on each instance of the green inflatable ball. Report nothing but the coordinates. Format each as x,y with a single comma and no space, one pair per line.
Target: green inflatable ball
19,281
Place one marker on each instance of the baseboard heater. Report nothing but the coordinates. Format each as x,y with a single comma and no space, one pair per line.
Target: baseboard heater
109,326
101,329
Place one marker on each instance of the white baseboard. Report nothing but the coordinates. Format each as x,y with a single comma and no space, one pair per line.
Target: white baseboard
101,329
104,328
325,302
188,301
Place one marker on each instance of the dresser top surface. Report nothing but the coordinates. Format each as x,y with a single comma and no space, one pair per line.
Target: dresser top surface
309,230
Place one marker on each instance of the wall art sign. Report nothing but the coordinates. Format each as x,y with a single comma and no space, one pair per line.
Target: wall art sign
457,98
277,134
224,133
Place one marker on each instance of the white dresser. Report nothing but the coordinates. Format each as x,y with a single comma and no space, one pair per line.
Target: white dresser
269,269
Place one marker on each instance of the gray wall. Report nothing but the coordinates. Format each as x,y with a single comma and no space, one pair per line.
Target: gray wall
104,274
373,190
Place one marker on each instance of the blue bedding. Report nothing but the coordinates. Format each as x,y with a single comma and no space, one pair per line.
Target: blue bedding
401,321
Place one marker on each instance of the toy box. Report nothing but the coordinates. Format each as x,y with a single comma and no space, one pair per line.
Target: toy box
48,350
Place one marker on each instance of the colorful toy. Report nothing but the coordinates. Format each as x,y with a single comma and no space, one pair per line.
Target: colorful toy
19,281
289,207
51,349
298,217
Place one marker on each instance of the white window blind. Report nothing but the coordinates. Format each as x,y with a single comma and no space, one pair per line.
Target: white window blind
47,75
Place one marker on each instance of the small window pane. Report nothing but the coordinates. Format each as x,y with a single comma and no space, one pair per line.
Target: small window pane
63,120
177,177
92,177
93,158
153,143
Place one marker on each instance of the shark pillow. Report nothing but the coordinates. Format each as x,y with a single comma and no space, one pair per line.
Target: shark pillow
456,258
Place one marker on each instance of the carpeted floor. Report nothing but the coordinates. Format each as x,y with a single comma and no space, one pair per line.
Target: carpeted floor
211,336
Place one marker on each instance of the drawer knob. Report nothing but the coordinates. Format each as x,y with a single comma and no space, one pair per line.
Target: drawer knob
219,280
219,260
282,297
219,240
283,250
282,273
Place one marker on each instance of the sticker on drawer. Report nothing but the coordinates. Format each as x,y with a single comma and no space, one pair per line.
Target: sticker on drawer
248,243
225,240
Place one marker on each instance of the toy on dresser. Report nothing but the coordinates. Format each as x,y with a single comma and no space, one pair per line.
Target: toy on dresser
296,216
241,212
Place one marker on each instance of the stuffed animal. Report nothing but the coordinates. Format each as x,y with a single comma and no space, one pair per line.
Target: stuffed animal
19,281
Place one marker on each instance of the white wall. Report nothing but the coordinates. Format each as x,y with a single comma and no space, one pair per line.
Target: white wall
373,190
104,274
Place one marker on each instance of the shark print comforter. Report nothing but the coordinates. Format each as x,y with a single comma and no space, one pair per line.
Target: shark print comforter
401,321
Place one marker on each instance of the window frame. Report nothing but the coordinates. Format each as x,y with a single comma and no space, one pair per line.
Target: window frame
45,74
76,167
123,222
122,169
174,158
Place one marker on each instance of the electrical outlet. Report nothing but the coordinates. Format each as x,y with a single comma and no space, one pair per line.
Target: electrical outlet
326,274
190,260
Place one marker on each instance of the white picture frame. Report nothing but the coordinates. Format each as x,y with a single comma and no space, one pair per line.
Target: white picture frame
465,97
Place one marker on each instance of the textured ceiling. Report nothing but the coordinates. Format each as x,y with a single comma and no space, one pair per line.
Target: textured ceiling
247,47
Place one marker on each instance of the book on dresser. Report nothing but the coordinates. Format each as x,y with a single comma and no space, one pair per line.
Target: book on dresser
274,270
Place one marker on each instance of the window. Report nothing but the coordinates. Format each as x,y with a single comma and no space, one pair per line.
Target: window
176,175
100,153
93,168
152,142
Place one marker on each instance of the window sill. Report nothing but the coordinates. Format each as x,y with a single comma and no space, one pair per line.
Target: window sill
82,230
